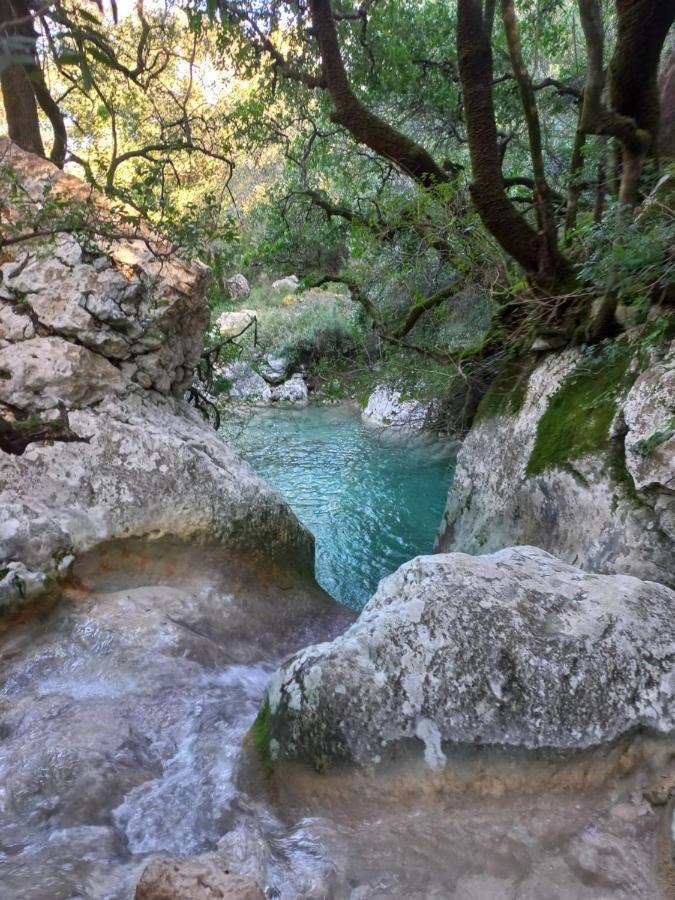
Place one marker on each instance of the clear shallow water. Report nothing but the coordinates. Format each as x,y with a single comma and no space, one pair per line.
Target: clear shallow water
372,497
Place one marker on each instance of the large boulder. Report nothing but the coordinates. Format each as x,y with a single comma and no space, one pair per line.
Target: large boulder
515,648
292,391
103,337
577,457
246,385
274,368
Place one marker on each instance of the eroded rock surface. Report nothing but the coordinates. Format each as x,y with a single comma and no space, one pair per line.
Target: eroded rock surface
610,508
197,878
108,332
515,648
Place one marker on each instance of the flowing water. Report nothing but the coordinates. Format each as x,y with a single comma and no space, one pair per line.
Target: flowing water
372,497
124,708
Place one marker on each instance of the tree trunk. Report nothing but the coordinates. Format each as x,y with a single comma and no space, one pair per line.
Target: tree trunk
18,97
23,84
530,249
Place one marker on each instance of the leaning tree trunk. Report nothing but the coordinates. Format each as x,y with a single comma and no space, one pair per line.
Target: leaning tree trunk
23,84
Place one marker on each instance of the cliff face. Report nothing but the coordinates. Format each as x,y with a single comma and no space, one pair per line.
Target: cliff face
101,326
577,458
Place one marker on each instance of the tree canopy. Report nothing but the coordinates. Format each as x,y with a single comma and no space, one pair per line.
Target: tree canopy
473,145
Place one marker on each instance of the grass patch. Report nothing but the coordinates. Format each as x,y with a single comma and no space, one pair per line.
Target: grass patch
579,414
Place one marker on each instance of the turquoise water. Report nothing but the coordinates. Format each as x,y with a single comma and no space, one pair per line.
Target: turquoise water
372,497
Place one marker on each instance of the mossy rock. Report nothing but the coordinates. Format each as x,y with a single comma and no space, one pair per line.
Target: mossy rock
580,413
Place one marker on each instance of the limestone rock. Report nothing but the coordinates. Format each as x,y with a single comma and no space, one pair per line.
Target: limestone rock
273,369
128,299
288,283
387,407
238,287
193,878
152,467
233,322
43,371
246,384
611,510
114,338
292,391
515,648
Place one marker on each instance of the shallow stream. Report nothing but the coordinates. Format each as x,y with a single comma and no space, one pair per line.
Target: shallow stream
125,705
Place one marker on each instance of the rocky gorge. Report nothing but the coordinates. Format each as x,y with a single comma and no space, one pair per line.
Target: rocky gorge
185,713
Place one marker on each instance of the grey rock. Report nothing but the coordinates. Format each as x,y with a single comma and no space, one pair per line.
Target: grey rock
246,384
292,391
132,299
288,283
15,322
273,369
46,371
238,287
589,512
515,648
387,407
152,467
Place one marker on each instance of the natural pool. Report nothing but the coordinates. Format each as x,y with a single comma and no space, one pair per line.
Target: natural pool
373,497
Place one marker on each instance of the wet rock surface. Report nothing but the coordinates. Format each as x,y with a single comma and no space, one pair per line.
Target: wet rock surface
124,712
514,649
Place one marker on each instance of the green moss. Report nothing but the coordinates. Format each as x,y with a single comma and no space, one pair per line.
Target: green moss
507,392
260,735
5,374
580,413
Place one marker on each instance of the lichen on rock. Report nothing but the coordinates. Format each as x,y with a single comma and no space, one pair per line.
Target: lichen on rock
513,649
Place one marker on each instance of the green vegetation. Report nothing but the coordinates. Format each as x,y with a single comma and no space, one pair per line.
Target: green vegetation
507,392
259,734
346,140
579,415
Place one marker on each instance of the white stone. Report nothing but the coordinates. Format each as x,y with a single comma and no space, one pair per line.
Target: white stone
386,407
288,283
292,391
515,648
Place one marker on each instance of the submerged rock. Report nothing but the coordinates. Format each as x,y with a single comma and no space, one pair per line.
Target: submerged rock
193,878
515,648
577,457
386,406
